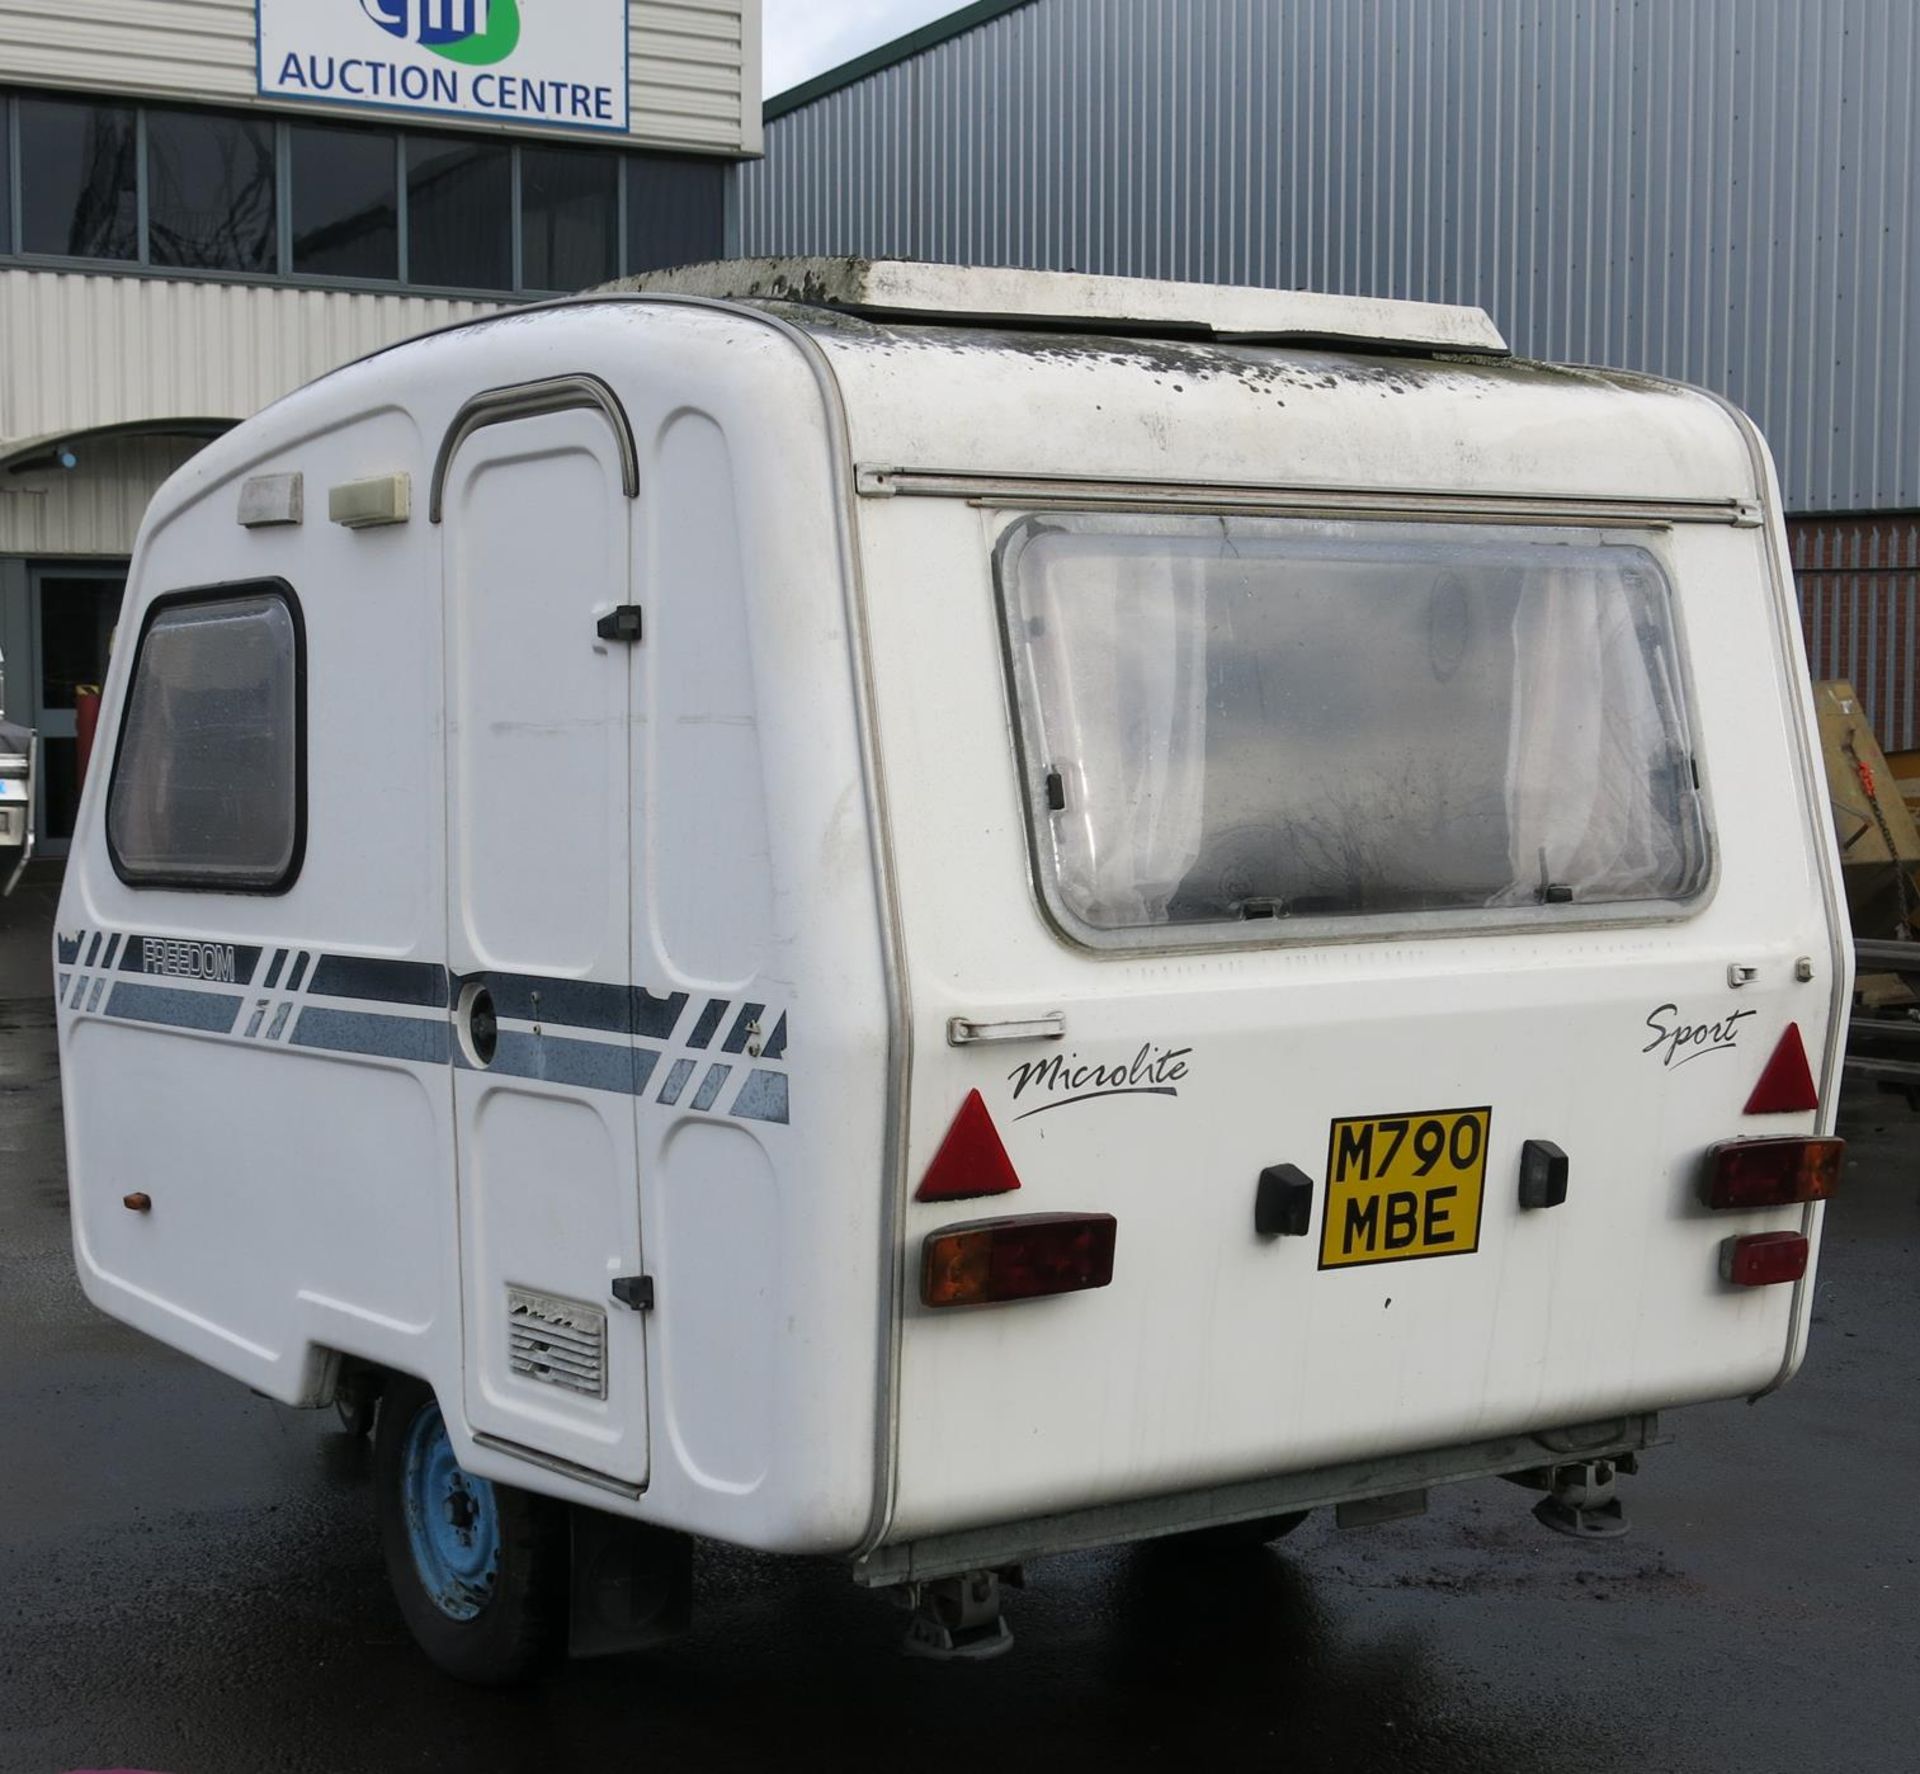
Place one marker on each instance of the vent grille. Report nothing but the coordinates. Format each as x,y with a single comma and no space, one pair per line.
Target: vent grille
558,1342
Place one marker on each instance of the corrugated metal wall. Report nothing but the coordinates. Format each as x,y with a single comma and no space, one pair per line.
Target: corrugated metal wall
695,64
1723,191
1860,604
79,350
95,510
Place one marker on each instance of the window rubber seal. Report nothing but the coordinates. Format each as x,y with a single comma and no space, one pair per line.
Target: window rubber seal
194,881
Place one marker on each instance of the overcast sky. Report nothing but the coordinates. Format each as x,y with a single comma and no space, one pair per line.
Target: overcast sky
807,37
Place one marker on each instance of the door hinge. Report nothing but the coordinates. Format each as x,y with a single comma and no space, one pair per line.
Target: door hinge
622,623
634,1291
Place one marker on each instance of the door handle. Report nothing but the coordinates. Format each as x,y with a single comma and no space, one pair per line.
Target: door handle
964,1031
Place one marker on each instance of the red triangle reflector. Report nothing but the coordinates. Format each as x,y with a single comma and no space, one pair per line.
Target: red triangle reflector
971,1160
1786,1086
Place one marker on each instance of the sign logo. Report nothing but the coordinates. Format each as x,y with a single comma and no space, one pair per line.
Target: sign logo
475,32
544,64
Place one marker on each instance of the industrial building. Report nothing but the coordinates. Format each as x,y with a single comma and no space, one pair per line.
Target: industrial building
1726,192
206,203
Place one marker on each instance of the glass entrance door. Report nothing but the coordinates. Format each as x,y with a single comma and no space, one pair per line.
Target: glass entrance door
74,613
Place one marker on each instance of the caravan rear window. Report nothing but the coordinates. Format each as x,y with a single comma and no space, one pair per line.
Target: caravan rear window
207,783
1231,720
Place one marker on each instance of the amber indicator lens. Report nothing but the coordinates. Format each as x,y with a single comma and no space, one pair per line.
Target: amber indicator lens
1025,1257
1763,1258
1772,1173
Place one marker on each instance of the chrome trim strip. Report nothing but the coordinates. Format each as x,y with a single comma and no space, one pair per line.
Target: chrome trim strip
1029,490
531,400
498,1444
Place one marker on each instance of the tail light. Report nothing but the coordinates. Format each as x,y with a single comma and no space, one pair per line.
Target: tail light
1022,1258
1772,1173
1763,1258
1786,1085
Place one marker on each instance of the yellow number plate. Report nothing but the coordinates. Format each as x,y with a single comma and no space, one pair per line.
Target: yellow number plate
1401,1186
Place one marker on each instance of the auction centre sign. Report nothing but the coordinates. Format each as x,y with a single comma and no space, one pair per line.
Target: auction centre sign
561,63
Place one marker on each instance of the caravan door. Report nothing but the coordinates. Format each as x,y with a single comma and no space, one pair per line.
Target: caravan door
537,518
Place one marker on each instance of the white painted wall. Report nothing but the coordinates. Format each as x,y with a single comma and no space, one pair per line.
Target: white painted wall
695,64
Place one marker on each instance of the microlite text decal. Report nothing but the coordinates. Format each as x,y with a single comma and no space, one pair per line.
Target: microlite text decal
1061,1080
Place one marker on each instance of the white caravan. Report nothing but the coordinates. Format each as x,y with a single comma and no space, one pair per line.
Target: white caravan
934,915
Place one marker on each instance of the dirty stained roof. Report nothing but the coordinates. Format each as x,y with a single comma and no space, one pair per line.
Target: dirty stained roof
903,289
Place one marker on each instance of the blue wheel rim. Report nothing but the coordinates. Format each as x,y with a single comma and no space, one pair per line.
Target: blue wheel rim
453,1521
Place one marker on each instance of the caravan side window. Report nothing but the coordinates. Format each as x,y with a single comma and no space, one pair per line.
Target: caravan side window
209,784
1236,729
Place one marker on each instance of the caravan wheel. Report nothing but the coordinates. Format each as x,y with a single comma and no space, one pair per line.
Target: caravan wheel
479,1569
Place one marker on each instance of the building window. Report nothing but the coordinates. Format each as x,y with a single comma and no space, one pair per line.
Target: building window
207,784
210,192
78,183
459,213
345,201
569,218
226,193
6,177
674,210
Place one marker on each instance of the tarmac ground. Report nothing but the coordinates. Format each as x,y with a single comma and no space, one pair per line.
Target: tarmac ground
189,1579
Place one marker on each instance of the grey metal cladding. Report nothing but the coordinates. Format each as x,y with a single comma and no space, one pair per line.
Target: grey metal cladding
1720,191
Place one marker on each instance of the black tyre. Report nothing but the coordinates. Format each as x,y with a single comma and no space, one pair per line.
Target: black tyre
479,1569
1242,1536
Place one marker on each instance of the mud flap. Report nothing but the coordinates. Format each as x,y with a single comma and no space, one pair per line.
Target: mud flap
632,1585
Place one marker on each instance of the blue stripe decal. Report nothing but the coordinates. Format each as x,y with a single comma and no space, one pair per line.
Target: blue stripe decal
422,1038
657,1018
376,977
743,1026
617,1063
213,1012
709,1023
590,1065
762,1098
574,1003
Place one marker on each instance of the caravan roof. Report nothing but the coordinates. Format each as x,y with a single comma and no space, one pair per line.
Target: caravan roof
906,289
